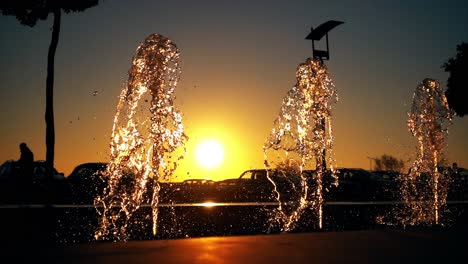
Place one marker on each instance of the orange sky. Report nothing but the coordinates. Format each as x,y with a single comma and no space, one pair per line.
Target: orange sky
238,63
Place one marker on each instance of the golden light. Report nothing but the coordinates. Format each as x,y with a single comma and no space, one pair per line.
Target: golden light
210,154
208,204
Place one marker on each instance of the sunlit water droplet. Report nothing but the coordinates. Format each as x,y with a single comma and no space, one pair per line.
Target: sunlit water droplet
302,139
147,131
424,189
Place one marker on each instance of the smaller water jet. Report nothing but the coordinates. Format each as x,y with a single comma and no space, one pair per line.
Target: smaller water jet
147,140
424,189
302,135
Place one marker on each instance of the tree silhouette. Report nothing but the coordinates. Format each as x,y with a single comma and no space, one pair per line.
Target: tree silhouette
388,162
28,12
457,83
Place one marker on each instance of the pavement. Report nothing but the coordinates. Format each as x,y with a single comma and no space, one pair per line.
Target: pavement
370,246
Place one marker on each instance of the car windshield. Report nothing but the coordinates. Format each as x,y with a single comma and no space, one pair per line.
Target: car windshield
87,170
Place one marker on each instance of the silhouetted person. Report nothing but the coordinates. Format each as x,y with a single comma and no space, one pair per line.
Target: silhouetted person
26,160
26,167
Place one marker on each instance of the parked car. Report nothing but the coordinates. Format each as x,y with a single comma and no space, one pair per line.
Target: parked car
459,186
356,184
255,186
390,187
87,181
10,170
39,188
189,191
361,185
198,182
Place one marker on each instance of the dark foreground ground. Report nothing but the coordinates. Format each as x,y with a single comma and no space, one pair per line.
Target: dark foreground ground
29,235
377,246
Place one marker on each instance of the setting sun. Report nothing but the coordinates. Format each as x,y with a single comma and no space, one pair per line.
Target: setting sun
210,154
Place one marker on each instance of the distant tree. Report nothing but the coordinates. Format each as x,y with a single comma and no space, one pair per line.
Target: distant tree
388,162
457,83
289,166
28,12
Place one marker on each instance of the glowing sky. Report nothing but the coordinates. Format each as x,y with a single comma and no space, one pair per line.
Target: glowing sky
238,61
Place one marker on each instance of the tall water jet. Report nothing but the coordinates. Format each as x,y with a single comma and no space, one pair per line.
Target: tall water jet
302,136
424,189
147,140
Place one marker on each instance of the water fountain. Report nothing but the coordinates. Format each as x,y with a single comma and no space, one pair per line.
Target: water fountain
424,189
147,140
302,136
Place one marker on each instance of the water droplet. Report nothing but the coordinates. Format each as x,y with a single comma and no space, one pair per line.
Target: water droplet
300,136
132,139
427,122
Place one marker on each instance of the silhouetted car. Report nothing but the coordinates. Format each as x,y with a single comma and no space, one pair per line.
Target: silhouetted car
361,185
460,184
352,184
42,186
255,186
87,181
457,182
199,182
389,184
10,169
347,184
190,191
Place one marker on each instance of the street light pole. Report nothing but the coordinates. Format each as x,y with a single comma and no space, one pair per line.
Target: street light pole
316,35
370,162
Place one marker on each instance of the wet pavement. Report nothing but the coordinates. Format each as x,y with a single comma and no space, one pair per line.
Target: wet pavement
371,246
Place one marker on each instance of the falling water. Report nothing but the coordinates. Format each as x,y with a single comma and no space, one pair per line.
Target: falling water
425,187
147,137
302,136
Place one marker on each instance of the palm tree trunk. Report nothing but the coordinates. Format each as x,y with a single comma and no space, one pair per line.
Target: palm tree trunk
49,112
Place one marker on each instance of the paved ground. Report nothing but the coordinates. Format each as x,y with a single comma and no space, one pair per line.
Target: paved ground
379,246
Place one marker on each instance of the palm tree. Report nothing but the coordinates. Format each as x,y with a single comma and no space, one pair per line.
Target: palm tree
457,83
28,12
